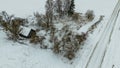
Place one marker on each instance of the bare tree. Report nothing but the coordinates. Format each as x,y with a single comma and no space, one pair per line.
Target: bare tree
58,7
66,6
49,12
6,17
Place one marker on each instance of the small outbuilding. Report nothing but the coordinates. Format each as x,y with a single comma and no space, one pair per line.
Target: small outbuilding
27,32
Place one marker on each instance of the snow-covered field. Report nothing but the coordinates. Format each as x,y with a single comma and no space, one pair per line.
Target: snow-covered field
101,46
22,8
101,49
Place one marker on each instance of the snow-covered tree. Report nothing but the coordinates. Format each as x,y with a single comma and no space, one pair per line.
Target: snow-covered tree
66,6
58,7
49,11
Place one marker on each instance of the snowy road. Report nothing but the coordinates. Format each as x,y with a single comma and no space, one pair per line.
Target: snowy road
106,46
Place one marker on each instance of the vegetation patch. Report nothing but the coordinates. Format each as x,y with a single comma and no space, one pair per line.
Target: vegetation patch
54,30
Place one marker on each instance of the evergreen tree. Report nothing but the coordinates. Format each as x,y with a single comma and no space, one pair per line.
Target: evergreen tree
71,8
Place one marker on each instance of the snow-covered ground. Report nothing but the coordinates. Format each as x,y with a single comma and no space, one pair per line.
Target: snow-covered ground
15,55
22,8
94,57
100,51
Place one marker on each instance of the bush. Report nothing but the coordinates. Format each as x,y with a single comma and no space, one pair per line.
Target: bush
81,38
89,15
36,39
70,55
41,20
69,43
21,21
14,29
76,16
56,47
1,18
11,26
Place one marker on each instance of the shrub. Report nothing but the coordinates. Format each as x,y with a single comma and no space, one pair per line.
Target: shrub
1,18
89,15
81,38
56,47
21,21
11,26
14,29
6,17
70,55
69,43
41,20
76,16
34,39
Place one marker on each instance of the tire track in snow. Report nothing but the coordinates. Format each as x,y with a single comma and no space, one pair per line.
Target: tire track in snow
110,24
85,55
96,45
114,26
109,40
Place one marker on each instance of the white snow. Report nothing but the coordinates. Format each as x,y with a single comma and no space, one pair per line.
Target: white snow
112,55
25,31
93,54
22,8
15,55
101,49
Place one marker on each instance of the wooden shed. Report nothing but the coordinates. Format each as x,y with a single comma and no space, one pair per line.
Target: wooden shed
27,32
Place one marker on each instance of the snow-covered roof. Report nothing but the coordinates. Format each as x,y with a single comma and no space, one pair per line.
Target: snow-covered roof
25,31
